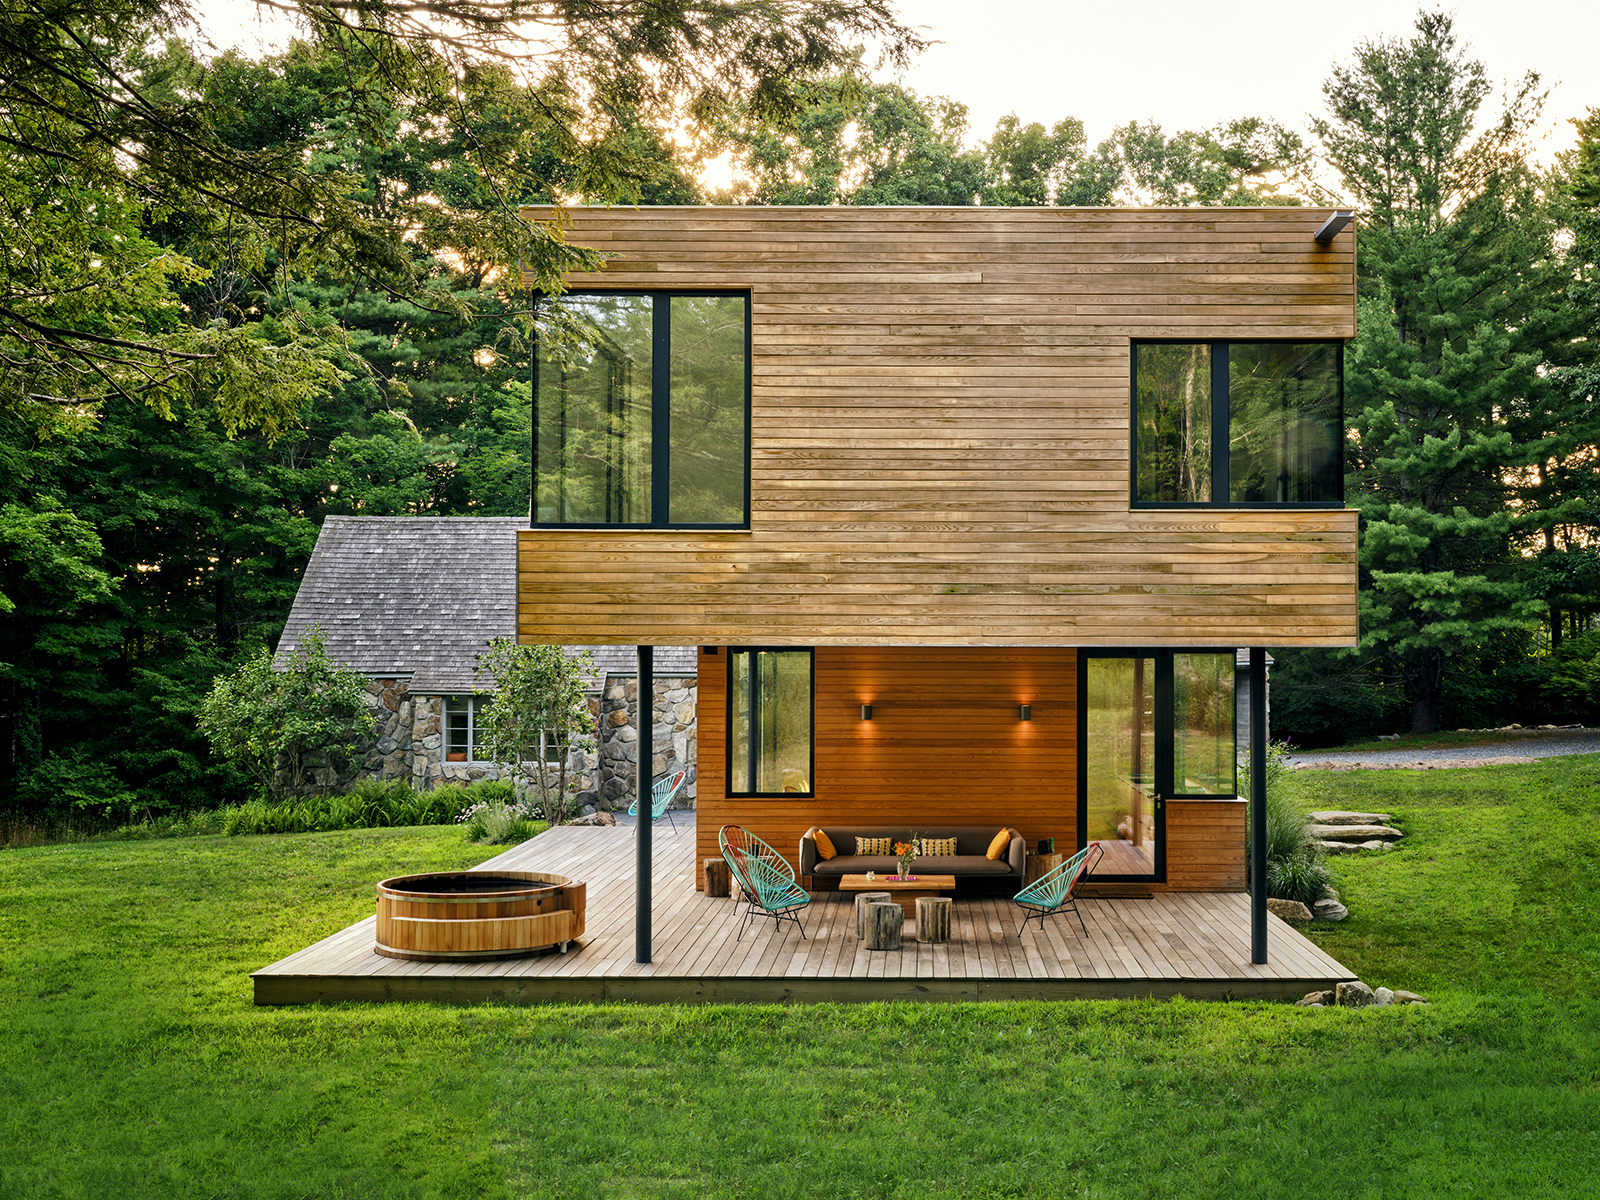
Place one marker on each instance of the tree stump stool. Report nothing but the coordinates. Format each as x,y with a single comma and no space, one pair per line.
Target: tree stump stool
933,918
863,899
715,871
882,925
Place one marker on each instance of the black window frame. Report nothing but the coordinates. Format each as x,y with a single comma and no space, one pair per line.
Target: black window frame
811,765
1221,467
1161,768
660,409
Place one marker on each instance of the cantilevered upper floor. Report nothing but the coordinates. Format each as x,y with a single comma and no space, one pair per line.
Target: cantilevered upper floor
956,426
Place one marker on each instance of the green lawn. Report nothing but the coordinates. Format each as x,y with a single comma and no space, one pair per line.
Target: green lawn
133,1063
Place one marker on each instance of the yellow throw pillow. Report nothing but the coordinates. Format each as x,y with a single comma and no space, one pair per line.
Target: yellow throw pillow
824,844
1002,841
866,845
937,847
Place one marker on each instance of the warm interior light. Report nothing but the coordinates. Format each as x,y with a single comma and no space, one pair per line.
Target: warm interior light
1025,712
866,712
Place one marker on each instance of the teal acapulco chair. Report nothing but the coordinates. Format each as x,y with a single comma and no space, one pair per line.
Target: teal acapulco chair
764,876
661,795
1057,891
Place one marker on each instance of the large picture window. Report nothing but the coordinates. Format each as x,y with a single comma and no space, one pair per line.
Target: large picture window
1238,423
770,747
641,410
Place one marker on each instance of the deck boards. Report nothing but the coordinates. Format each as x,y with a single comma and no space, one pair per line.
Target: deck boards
1195,944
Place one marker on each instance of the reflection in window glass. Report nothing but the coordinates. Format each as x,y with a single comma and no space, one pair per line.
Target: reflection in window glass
769,744
592,436
1121,764
708,411
1203,725
621,439
1173,419
1284,421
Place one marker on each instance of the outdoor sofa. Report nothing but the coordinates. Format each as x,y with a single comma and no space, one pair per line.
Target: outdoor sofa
970,860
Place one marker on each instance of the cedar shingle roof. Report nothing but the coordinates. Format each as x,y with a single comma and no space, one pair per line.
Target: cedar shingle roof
421,596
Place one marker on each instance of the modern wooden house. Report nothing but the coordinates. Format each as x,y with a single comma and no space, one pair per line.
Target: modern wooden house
966,509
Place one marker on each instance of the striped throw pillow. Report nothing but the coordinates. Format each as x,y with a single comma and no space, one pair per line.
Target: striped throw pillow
937,847
870,845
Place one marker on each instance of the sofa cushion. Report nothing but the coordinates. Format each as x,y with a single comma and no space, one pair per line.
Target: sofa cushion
937,847
874,845
998,847
824,846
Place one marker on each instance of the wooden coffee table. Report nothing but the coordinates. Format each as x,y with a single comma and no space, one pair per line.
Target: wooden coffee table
904,892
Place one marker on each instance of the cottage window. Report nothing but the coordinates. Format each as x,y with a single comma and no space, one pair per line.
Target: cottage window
642,410
463,737
1238,423
770,744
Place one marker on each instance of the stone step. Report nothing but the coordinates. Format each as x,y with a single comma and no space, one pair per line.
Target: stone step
1353,833
1333,817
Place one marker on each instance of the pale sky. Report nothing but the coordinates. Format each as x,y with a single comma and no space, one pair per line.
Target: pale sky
1182,64
1187,65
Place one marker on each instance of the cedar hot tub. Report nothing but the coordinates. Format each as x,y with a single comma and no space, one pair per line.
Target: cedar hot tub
446,916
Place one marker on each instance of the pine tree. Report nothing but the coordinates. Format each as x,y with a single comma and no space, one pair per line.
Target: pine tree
1460,305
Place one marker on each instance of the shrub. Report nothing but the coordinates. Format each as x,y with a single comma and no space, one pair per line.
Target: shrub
1296,869
369,804
498,821
1303,877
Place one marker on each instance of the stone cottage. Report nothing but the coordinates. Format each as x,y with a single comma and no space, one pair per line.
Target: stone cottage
410,602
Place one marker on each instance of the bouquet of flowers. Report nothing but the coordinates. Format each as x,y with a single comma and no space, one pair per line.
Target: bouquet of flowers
905,852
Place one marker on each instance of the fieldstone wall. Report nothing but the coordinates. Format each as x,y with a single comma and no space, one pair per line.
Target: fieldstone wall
409,744
673,737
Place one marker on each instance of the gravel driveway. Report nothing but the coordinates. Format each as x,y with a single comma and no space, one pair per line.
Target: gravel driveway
1526,749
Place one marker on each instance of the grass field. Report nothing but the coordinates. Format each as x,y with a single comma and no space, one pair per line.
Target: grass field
134,1064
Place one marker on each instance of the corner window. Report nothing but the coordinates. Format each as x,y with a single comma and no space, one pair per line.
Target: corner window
641,406
770,744
1238,423
463,740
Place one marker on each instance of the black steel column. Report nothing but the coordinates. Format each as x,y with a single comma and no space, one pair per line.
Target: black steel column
642,778
1258,804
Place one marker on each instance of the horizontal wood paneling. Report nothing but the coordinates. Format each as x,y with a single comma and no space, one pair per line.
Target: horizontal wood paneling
944,746
940,434
1206,845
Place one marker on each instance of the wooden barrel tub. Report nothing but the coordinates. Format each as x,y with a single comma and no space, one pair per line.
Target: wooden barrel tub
446,916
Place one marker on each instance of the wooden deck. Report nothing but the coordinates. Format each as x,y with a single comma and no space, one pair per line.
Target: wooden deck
1193,944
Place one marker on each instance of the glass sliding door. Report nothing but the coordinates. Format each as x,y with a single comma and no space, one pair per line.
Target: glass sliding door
1122,811
1156,726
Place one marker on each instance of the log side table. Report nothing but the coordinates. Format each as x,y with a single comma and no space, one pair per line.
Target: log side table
933,918
715,871
904,892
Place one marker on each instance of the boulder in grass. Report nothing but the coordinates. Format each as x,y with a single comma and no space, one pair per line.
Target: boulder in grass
1353,994
1383,997
1288,910
1329,910
1401,996
1315,1000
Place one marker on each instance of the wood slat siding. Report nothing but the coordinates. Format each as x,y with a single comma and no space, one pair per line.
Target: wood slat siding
945,747
940,426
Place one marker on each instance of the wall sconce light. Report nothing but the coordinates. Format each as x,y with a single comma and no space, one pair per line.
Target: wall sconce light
1025,712
866,712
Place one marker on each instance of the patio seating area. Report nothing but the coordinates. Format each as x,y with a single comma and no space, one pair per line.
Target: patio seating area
1193,944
